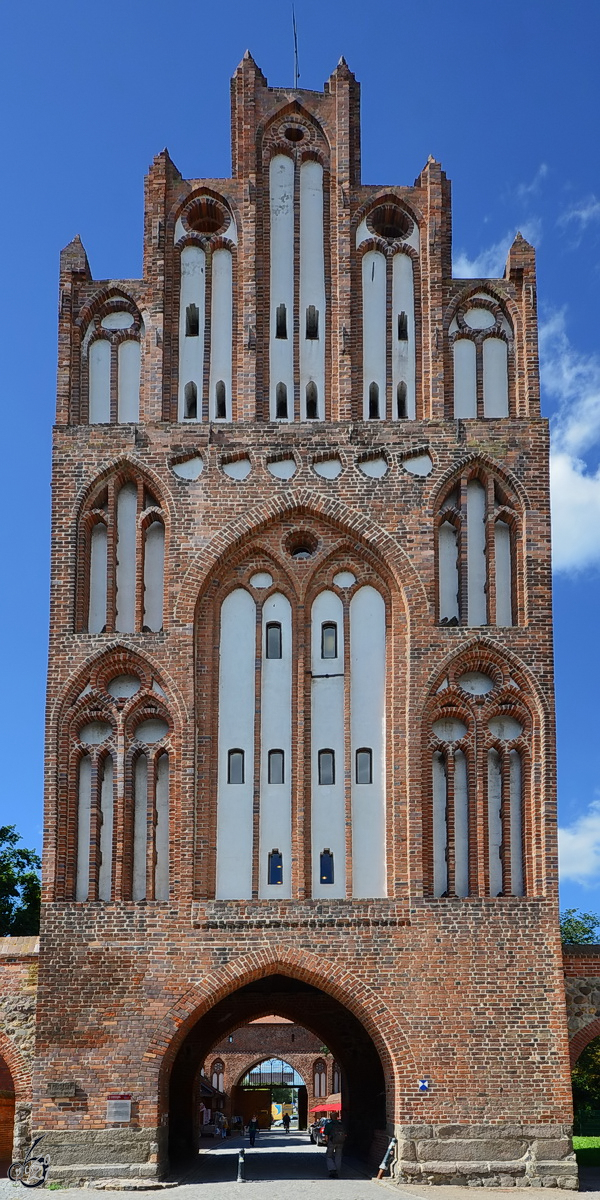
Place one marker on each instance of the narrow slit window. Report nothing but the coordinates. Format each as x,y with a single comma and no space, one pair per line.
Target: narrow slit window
329,639
326,873
373,401
312,402
364,766
190,396
402,327
220,402
281,407
281,321
192,320
235,766
275,867
402,399
326,767
273,640
312,323
276,766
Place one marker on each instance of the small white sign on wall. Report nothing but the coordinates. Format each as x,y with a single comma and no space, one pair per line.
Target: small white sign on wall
118,1111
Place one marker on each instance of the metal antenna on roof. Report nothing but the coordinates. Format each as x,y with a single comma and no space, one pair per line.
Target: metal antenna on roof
296,68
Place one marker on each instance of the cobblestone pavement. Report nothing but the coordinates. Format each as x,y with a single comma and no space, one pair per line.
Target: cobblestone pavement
289,1168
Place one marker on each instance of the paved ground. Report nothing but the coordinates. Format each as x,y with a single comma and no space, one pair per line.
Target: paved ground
289,1168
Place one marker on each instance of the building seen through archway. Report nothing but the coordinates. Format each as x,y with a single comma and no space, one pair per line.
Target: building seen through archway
300,726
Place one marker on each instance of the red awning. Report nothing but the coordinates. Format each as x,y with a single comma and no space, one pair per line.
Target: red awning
325,1107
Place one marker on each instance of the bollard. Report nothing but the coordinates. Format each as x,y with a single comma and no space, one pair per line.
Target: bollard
384,1164
241,1178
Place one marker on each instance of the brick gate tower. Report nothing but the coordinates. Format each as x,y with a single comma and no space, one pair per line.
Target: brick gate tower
300,731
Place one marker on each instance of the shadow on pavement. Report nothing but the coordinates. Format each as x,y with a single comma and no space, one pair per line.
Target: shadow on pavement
589,1179
271,1160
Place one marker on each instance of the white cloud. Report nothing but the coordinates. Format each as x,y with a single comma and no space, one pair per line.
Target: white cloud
490,262
528,189
572,380
583,214
579,848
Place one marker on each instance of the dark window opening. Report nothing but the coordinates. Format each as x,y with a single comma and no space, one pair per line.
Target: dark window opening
326,874
302,552
329,639
373,401
220,404
281,409
235,766
192,320
402,398
275,868
364,766
281,321
273,639
190,402
402,327
312,323
312,402
276,766
326,767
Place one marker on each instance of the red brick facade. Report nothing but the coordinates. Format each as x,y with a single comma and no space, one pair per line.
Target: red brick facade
463,988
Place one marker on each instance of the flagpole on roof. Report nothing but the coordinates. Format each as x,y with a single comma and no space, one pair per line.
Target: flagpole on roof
296,68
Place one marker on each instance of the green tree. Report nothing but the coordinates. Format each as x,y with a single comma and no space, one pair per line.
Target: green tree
579,928
19,886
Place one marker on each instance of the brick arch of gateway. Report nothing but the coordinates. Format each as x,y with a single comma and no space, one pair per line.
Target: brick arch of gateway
383,1028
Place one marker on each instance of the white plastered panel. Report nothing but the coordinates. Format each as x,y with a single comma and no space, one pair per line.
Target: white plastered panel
236,731
99,382
221,329
403,352
84,806
276,734
327,724
476,558
367,709
312,282
129,381
126,546
191,349
374,327
495,377
106,830
281,354
465,378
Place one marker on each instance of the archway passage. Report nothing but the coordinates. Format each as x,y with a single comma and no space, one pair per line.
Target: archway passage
271,1086
363,1093
7,1116
585,1079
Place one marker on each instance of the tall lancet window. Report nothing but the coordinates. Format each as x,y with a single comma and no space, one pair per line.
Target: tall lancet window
477,536
120,790
297,290
391,242
312,293
206,311
111,360
479,772
482,346
121,577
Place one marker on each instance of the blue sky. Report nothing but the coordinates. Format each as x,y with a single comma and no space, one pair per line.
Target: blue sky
506,96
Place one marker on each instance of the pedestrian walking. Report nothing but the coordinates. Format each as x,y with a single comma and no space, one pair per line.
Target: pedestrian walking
286,1122
253,1128
335,1136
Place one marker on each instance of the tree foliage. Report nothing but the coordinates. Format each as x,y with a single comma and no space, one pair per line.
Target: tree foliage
579,928
19,886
